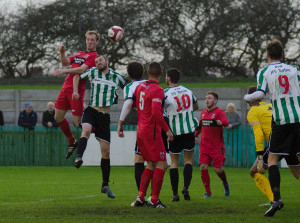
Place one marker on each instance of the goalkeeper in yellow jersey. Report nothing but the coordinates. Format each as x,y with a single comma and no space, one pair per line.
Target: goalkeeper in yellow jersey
260,119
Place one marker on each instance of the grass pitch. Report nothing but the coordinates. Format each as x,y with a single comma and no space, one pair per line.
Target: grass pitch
66,194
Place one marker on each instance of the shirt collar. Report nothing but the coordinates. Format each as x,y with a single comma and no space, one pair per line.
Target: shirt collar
274,63
152,81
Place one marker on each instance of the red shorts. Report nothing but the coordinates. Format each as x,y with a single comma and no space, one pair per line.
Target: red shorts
151,149
218,158
64,101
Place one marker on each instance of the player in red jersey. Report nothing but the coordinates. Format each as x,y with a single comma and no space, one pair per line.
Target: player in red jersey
149,98
212,147
80,62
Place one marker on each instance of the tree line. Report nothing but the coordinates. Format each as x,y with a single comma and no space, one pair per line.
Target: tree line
203,38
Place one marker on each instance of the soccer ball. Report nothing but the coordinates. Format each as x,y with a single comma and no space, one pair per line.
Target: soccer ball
115,33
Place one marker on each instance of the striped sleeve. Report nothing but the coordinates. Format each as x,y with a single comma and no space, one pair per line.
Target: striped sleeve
126,91
261,80
122,81
86,74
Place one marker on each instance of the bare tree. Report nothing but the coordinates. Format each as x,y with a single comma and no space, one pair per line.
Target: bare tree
202,38
264,20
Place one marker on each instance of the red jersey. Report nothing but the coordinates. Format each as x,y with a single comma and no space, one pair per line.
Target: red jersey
149,97
80,58
211,138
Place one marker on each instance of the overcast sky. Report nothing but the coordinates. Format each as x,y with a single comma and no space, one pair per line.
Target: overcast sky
12,4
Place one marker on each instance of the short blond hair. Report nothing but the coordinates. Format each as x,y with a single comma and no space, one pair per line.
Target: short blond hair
93,32
230,105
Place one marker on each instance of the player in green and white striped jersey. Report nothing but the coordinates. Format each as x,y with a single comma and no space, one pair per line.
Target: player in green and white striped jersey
103,86
179,106
180,102
104,83
135,71
282,82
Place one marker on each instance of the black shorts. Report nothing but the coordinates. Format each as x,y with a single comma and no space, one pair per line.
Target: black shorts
100,121
291,160
285,139
184,142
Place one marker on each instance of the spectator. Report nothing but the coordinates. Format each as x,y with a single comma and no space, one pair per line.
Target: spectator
48,116
28,117
232,116
1,118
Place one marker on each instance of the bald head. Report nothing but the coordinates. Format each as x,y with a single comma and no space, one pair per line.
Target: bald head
50,106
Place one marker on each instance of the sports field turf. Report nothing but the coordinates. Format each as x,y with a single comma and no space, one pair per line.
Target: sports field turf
66,194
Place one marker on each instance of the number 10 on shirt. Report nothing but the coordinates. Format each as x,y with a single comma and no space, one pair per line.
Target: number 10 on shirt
186,102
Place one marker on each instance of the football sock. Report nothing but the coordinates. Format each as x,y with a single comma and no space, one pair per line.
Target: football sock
65,128
105,167
138,169
187,175
222,176
274,178
263,184
206,180
145,180
174,176
157,181
81,146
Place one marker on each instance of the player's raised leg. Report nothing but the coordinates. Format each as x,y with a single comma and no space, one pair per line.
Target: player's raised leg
82,143
65,128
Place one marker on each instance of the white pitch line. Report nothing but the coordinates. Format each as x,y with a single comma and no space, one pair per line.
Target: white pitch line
47,200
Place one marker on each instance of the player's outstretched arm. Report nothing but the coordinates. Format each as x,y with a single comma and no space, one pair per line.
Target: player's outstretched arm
65,61
77,70
257,95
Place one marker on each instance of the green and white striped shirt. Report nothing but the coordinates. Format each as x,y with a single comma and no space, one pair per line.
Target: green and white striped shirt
103,86
130,88
282,82
179,108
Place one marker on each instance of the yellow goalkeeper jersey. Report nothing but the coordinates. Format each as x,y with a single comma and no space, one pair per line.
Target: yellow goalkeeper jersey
260,118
